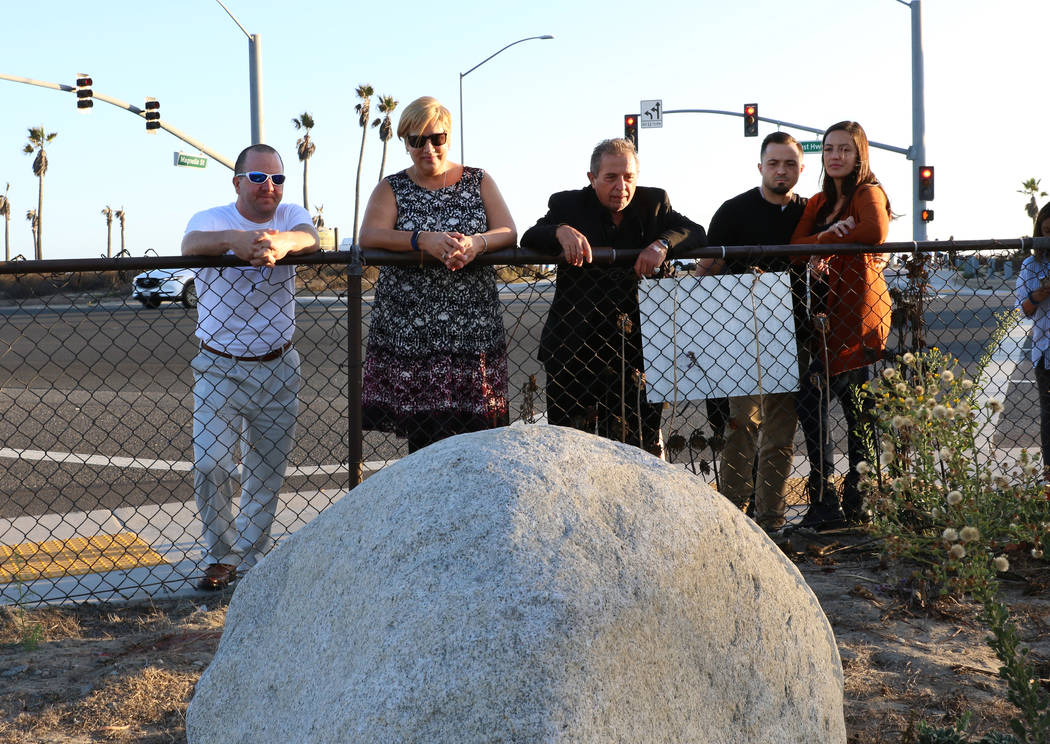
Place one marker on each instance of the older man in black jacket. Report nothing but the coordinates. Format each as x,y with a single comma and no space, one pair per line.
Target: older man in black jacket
591,346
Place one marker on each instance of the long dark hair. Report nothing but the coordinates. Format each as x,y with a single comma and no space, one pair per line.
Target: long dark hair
860,176
1044,214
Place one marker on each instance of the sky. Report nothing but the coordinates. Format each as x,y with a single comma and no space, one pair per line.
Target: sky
532,114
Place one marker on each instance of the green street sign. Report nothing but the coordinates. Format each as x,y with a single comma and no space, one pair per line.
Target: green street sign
190,161
812,146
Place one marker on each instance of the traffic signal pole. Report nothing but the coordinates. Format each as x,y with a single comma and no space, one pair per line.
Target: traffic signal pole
127,107
782,123
917,154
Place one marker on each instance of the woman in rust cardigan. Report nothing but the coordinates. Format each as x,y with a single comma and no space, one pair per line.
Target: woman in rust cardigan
849,320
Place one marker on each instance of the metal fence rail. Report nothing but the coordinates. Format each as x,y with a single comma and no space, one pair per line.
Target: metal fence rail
96,482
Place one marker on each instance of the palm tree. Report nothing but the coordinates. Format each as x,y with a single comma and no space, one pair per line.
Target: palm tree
1030,188
108,212
318,219
120,214
364,92
5,211
386,106
305,147
34,225
37,140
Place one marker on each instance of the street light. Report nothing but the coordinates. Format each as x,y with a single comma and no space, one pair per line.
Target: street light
254,77
479,64
917,153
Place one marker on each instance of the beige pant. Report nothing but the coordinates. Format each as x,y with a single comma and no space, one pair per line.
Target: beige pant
766,424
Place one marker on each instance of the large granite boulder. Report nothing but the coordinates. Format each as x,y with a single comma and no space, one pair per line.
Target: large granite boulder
532,584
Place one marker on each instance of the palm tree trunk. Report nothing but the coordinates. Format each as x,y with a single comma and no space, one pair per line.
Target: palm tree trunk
109,241
357,190
122,238
382,163
306,201
40,220
7,237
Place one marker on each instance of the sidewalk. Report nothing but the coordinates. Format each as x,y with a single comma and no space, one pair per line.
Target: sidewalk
124,554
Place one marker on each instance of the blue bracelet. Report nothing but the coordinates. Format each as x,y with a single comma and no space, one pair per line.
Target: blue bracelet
415,240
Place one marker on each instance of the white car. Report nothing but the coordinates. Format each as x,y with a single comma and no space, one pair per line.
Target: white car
165,285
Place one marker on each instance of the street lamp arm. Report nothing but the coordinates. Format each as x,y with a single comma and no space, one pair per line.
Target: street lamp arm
462,156
231,15
127,107
479,64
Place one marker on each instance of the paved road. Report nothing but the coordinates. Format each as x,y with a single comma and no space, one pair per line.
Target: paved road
112,380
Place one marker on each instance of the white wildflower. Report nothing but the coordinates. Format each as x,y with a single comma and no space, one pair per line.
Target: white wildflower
1001,563
889,373
901,388
967,385
968,534
902,422
899,484
957,551
920,390
995,405
1037,553
863,468
955,498
947,375
935,512
908,358
945,453
949,535
940,412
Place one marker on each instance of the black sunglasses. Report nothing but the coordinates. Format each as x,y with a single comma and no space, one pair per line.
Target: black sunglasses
420,140
260,177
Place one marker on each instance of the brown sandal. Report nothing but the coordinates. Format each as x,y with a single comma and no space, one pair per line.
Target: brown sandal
217,576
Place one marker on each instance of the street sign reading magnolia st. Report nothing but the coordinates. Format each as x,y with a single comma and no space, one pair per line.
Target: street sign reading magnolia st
190,161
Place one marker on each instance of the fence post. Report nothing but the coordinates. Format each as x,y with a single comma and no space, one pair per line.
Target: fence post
354,363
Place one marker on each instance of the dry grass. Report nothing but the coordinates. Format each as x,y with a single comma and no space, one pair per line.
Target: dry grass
104,673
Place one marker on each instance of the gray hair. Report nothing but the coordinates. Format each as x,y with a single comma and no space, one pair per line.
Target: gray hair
619,146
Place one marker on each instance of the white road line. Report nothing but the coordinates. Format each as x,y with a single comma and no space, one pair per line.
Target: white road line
139,463
1002,365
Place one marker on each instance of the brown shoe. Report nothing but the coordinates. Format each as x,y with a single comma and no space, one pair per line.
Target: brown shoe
217,576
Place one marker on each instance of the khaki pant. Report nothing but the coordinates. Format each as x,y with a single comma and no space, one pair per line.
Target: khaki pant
766,424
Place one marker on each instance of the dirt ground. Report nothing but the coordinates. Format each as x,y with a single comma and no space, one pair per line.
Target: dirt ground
125,674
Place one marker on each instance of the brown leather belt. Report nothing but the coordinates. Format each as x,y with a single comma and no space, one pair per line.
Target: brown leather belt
267,357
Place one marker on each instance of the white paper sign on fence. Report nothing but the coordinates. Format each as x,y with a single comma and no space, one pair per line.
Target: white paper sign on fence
717,336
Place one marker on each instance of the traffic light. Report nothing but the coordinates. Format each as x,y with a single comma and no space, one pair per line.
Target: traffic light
630,129
926,183
152,115
84,99
750,119
927,215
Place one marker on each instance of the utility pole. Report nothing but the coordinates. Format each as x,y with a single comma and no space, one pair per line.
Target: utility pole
917,154
254,77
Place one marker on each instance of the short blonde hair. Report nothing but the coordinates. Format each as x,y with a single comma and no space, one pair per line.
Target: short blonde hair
421,112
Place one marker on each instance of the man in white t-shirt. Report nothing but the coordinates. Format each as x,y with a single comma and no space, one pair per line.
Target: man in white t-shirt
246,376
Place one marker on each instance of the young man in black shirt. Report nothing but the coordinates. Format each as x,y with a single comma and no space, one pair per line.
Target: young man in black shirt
765,215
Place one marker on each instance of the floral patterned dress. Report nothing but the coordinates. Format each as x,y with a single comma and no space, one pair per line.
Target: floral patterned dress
436,358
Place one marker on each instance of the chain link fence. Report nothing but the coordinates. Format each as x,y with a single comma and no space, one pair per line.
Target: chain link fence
96,385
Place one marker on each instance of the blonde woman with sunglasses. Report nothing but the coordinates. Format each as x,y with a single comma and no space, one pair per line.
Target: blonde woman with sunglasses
436,359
